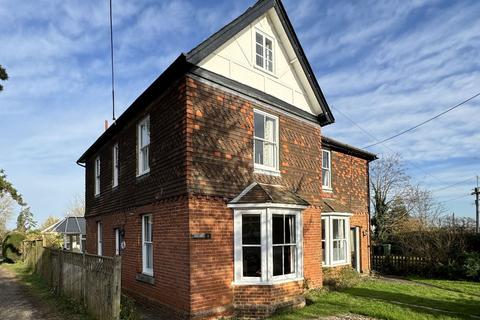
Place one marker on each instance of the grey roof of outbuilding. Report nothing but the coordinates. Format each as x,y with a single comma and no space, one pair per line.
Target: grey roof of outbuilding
69,225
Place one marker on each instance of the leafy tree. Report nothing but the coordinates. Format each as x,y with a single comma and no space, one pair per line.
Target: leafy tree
3,75
51,220
25,221
7,187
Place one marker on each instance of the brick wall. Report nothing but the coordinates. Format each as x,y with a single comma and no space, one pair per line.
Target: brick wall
167,159
170,248
220,146
350,188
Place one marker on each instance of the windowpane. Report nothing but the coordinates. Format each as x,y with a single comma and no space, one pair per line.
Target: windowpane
326,160
268,44
270,131
277,261
277,229
259,125
259,38
252,262
289,259
338,228
145,134
339,250
324,221
251,229
259,50
258,152
269,152
290,229
147,228
325,178
148,256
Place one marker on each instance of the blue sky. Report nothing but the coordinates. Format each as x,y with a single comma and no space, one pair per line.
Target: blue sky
385,64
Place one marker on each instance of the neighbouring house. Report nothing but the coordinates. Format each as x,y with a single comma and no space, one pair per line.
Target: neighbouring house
216,185
71,229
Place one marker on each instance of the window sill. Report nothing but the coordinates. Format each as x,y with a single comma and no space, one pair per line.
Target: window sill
265,283
270,172
143,174
142,277
327,189
339,264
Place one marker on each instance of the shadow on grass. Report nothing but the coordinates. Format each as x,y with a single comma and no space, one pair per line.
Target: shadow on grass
459,308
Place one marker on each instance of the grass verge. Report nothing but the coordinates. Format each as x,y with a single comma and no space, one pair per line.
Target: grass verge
64,307
395,300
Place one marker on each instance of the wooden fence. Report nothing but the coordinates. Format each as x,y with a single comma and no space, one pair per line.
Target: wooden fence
400,265
92,280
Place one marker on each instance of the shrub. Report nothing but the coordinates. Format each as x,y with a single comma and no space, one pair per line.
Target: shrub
127,309
340,278
471,266
12,247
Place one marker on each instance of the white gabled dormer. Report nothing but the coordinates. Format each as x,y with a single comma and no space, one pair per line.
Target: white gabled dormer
259,49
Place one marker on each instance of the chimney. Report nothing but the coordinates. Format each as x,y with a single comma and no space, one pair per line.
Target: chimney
106,125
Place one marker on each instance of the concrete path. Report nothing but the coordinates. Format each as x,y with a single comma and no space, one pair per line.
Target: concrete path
16,303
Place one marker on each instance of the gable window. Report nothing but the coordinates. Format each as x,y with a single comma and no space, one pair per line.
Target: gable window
147,247
143,146
265,141
326,169
268,245
263,51
335,241
115,165
97,176
99,239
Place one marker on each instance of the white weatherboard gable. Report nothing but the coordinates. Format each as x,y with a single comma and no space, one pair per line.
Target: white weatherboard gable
236,60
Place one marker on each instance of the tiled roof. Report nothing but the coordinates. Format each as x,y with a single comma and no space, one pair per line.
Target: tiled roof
268,193
330,205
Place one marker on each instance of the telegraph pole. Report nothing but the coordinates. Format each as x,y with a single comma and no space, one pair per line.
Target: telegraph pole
476,192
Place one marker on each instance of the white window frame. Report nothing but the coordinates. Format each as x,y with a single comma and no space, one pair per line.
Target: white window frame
140,169
329,170
115,165
99,238
264,52
117,241
97,171
145,270
266,213
261,168
327,220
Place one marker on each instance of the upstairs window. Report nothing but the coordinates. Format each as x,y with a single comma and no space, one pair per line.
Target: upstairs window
265,141
143,146
116,166
263,51
97,176
326,169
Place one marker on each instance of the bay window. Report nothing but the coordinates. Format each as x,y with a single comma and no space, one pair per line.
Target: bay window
268,245
265,142
335,242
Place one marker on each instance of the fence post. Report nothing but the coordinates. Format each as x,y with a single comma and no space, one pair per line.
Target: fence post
116,287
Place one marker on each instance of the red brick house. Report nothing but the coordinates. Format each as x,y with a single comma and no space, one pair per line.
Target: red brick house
216,185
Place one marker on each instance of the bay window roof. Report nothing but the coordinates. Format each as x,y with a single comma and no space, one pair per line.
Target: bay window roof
260,193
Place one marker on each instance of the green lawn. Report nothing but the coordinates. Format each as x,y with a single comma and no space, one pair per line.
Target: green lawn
396,300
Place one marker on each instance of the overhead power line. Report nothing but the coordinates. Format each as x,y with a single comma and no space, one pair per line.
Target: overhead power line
424,122
457,198
453,184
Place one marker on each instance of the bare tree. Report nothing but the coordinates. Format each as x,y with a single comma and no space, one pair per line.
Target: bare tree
6,213
76,207
388,182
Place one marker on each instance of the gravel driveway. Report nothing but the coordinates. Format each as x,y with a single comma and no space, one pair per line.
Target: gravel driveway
16,303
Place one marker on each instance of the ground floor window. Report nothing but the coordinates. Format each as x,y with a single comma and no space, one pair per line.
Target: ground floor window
335,238
99,238
147,247
268,245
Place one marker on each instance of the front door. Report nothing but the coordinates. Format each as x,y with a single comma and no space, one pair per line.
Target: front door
355,247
